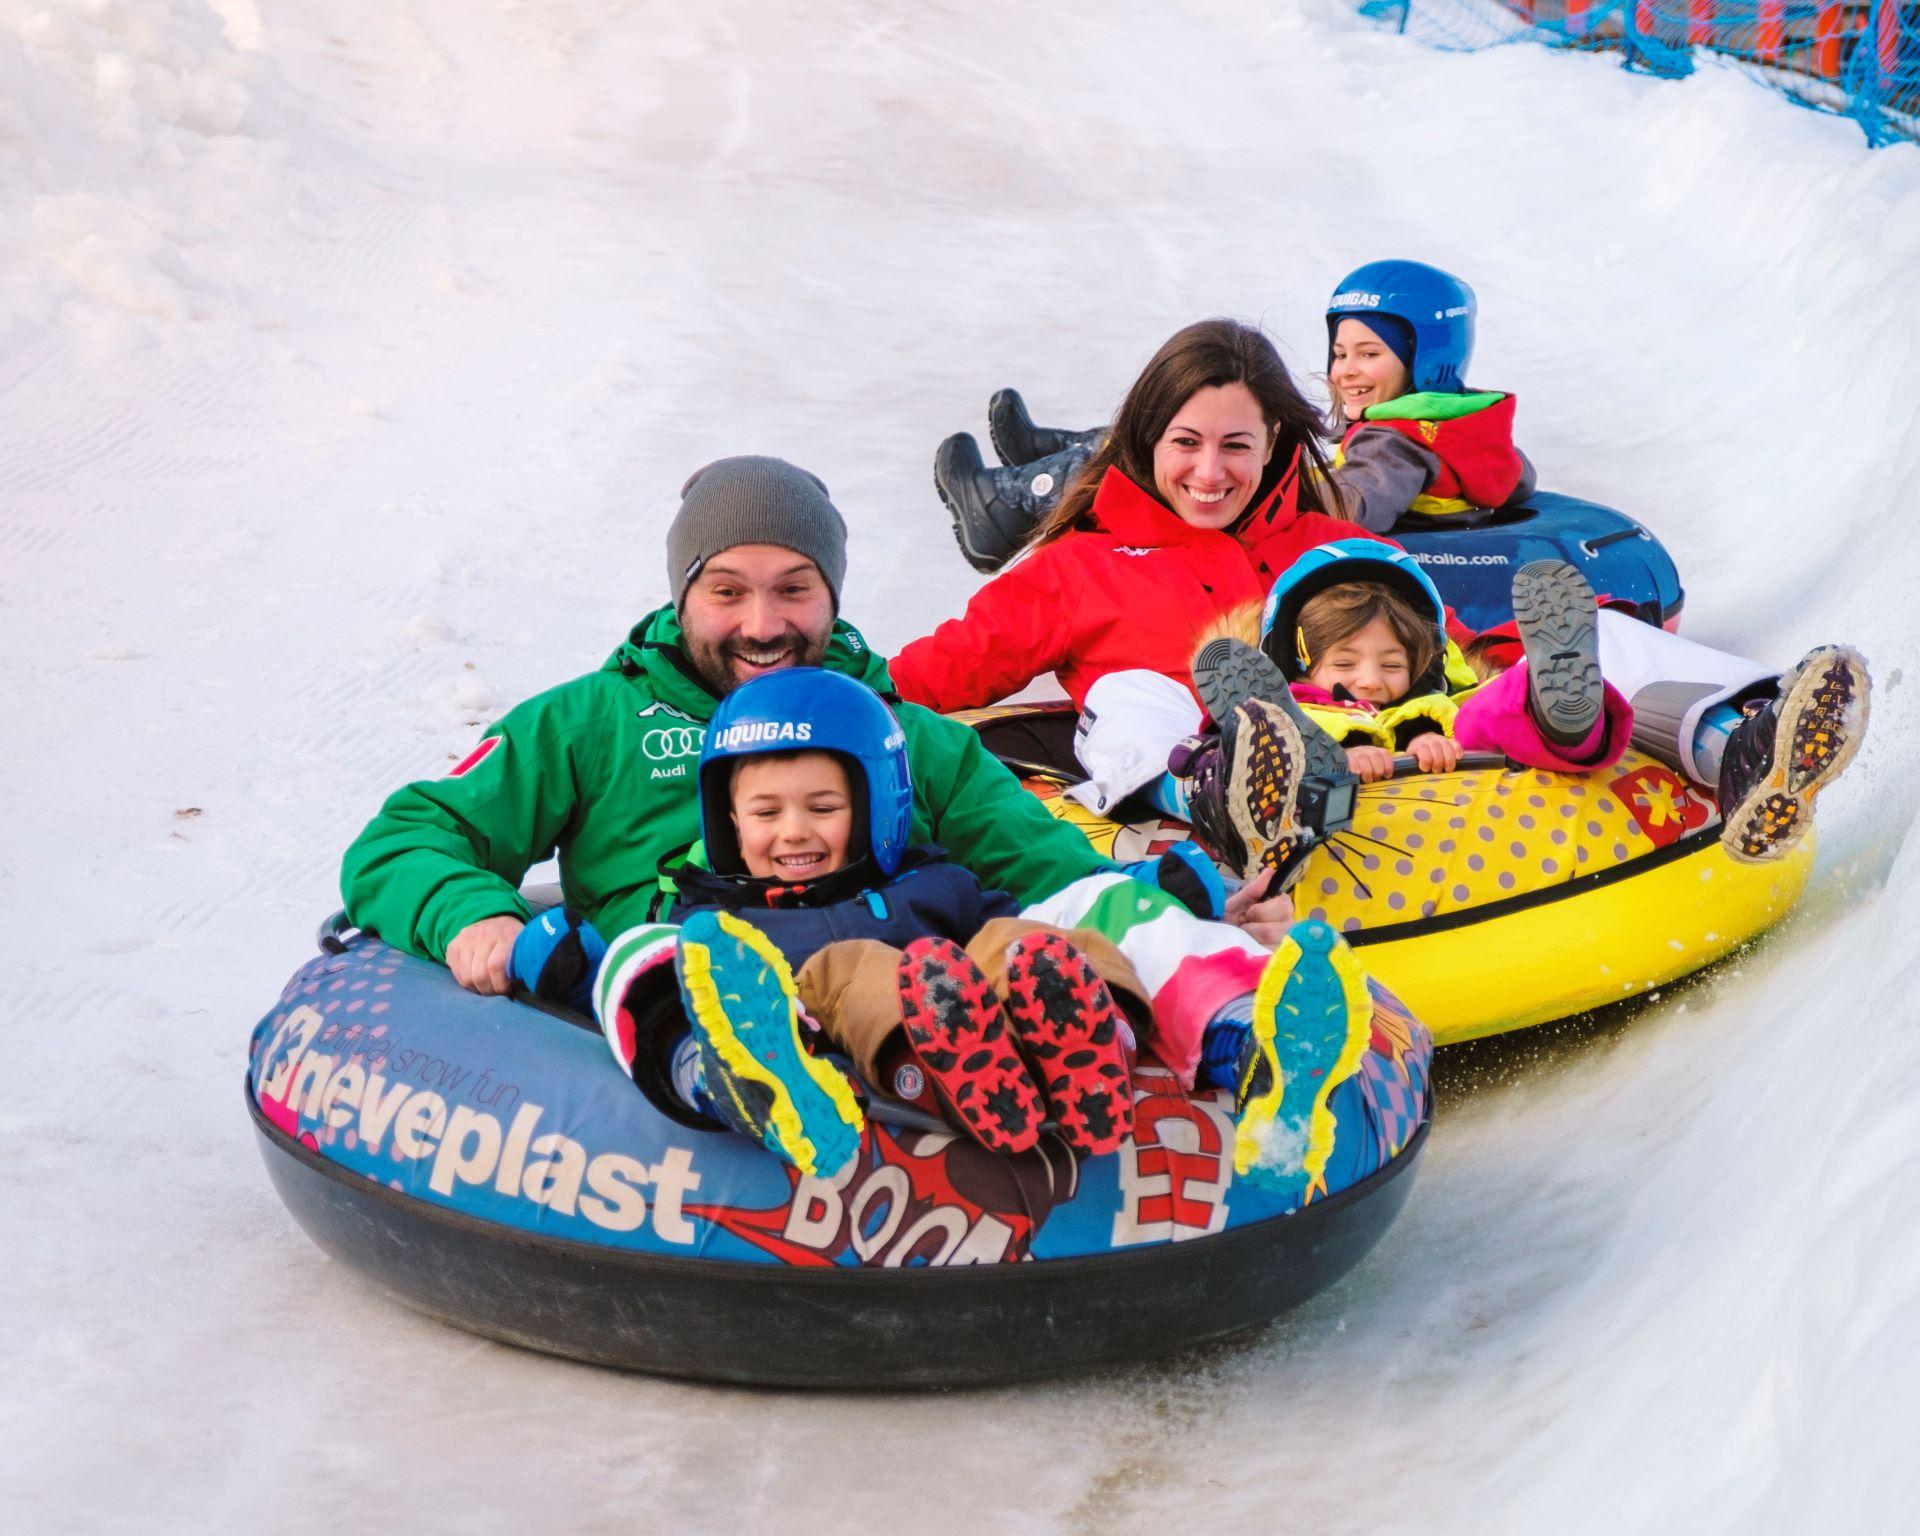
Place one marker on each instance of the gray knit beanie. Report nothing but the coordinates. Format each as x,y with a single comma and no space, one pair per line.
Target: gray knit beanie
754,500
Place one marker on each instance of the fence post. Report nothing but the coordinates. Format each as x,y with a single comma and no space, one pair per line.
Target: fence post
1576,18
1699,21
1636,21
1772,28
1876,69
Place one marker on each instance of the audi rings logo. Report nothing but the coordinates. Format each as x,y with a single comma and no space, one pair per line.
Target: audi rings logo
670,741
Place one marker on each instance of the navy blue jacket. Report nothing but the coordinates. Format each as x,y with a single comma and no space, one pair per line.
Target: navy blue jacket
928,897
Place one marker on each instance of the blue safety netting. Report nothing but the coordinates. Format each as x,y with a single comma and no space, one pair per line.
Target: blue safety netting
1861,60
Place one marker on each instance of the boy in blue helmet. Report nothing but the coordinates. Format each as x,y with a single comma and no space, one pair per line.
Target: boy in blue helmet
813,894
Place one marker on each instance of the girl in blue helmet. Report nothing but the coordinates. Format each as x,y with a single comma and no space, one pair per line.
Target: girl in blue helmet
815,907
1356,630
1416,444
1353,645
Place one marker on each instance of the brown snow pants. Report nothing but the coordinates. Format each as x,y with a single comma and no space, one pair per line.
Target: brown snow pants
852,988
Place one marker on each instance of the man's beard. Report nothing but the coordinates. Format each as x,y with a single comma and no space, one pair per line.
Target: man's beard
714,663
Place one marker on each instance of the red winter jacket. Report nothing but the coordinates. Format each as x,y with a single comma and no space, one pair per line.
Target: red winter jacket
1471,457
1135,591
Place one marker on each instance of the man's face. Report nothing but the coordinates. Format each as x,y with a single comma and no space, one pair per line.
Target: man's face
755,608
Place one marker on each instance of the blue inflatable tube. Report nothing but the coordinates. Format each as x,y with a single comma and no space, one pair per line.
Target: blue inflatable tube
1473,567
488,1163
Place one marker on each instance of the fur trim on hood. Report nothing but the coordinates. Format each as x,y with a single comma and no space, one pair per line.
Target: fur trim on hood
1242,624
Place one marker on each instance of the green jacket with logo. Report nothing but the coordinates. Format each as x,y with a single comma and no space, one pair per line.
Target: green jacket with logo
603,769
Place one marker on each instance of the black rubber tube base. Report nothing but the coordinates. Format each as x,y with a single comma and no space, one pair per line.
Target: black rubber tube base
785,1326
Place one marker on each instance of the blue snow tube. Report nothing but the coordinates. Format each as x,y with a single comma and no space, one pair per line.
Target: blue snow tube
486,1161
1473,567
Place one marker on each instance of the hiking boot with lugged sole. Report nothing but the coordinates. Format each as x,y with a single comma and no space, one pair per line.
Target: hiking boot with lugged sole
739,995
959,1034
1781,756
1019,442
1073,1034
1260,792
1312,1019
1554,610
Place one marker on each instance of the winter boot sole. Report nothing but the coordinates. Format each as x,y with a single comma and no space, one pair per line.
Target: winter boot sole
1554,610
741,998
1264,766
1312,1020
1824,705
1071,1030
1227,673
959,1035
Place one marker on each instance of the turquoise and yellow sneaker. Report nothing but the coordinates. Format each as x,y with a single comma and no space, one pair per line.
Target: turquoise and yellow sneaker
741,1001
1312,1019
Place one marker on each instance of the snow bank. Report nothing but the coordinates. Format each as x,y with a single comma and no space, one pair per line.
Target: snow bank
126,157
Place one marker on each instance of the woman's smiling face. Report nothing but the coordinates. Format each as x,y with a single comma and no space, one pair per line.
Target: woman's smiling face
1207,464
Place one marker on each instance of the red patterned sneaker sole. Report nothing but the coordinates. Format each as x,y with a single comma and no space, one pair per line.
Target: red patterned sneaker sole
1071,1030
959,1035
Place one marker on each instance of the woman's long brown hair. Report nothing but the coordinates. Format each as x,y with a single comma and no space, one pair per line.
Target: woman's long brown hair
1205,355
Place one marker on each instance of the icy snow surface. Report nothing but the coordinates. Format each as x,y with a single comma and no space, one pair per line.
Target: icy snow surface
352,355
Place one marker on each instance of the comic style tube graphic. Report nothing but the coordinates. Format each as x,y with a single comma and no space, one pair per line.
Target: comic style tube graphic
487,1162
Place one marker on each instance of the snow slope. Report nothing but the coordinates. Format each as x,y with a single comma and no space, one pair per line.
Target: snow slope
351,359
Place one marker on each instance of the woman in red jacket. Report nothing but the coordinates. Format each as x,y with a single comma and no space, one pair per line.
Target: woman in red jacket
1191,506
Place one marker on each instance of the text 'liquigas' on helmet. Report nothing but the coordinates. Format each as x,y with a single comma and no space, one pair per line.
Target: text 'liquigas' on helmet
809,709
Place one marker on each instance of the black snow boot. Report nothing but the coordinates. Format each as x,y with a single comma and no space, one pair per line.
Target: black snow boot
995,510
1788,749
1019,442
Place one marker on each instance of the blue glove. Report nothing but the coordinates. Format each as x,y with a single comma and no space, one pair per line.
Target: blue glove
556,958
1186,874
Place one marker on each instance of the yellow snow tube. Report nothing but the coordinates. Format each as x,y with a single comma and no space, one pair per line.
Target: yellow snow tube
1492,899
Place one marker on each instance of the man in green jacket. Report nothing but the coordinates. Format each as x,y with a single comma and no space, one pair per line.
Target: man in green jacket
603,768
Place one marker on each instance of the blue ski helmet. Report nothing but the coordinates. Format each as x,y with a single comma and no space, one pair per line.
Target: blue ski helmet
809,709
1328,565
1436,306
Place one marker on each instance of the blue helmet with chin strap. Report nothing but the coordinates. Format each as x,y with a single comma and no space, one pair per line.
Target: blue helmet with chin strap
809,709
1435,306
1344,560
